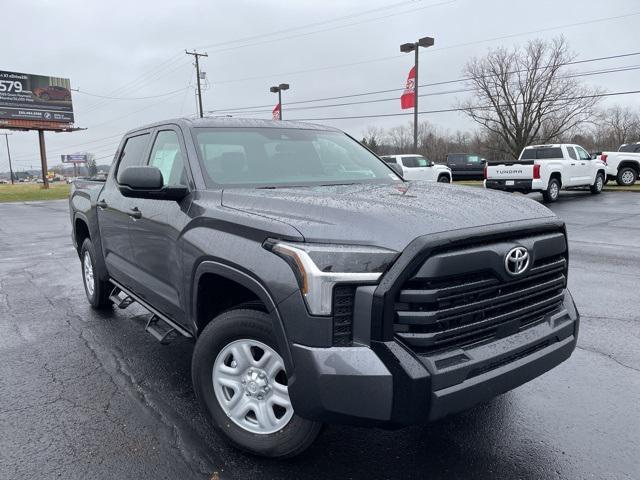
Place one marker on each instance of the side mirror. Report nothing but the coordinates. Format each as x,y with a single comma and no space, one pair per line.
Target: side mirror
396,168
147,182
432,163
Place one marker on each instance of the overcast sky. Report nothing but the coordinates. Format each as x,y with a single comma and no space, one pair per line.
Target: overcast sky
130,49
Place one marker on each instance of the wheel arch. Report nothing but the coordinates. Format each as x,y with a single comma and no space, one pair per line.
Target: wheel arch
249,284
631,164
557,175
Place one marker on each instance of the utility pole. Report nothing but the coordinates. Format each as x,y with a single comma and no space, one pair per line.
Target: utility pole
414,47
6,137
197,57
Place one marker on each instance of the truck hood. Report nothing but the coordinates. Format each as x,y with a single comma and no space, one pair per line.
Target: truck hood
389,216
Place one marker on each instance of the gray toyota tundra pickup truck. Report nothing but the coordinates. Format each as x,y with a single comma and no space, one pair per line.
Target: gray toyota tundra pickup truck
318,285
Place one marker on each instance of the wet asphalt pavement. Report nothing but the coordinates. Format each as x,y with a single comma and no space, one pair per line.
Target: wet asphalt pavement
87,395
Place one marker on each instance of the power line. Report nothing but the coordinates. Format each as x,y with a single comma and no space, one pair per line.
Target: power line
130,98
242,110
431,50
459,109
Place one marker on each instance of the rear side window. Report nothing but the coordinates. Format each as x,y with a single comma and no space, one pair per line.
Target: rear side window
414,162
630,148
132,153
572,153
456,158
167,156
541,153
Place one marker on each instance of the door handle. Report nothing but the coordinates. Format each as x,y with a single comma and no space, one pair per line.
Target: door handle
573,164
102,204
134,213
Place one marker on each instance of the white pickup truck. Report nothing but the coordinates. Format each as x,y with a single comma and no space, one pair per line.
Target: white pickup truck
623,166
416,167
548,169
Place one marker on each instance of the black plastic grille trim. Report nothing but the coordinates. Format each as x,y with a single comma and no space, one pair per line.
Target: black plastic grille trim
442,313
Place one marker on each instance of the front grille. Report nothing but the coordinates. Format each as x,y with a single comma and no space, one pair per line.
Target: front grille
343,299
453,311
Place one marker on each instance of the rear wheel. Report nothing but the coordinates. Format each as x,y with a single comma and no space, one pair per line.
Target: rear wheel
240,379
626,177
552,192
97,290
598,184
444,179
45,97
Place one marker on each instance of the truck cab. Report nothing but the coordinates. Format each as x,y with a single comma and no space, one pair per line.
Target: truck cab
548,169
417,167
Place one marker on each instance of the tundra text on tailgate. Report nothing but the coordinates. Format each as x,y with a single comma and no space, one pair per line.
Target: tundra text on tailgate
319,286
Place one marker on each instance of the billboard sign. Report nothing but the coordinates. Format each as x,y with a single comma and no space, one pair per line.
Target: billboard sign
35,97
74,158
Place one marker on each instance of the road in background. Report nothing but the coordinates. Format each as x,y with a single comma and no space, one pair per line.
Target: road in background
89,395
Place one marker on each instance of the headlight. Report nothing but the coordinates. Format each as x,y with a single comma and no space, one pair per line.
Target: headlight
318,267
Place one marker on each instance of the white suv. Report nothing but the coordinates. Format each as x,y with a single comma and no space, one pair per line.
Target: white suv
416,167
548,169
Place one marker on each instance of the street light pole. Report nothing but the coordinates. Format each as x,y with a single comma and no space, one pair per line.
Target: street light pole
415,47
6,137
278,89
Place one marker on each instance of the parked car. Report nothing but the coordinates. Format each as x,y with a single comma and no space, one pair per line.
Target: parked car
466,166
416,167
548,169
623,166
52,92
317,284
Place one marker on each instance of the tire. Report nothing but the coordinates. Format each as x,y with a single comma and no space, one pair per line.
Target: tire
626,177
97,290
552,192
597,184
222,349
444,179
67,98
45,97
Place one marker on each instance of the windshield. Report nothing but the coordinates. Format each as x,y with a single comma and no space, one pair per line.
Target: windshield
273,157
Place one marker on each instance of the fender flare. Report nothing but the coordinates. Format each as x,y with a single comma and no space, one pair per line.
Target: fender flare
255,286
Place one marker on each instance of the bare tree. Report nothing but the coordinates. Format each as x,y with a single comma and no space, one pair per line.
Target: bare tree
618,125
522,97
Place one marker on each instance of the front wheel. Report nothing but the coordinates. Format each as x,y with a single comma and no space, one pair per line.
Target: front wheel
552,192
598,184
240,379
626,177
444,179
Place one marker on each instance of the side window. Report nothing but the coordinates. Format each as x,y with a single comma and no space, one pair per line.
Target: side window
473,159
132,153
389,159
167,156
572,153
582,154
409,162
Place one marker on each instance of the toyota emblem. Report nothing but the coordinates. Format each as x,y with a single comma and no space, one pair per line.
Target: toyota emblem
517,260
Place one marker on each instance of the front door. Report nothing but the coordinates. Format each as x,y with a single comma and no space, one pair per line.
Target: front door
156,233
584,167
115,210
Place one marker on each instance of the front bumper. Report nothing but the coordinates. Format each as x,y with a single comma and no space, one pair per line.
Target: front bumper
388,384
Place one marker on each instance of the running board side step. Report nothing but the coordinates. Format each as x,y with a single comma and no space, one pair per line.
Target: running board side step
163,333
120,299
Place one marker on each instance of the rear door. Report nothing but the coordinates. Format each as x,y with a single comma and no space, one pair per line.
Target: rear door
155,234
115,210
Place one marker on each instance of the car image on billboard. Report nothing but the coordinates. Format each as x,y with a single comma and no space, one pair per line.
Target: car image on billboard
35,97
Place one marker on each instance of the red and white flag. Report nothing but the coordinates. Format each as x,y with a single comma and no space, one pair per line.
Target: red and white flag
276,112
407,100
